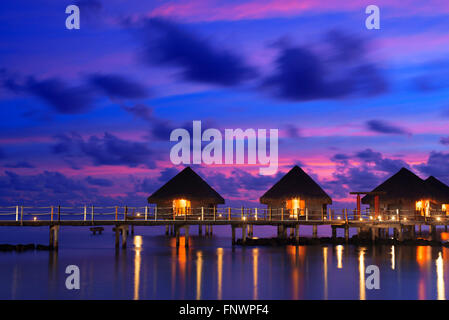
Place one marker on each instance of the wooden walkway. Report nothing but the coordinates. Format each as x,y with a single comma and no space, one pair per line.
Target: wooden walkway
122,218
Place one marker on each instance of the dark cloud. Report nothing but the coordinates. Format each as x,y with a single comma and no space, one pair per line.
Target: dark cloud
99,182
444,141
437,165
106,150
366,171
54,188
167,174
302,74
117,86
89,6
61,97
435,77
19,164
384,127
140,111
292,131
167,43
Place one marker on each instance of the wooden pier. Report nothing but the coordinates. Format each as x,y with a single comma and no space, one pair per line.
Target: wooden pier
375,225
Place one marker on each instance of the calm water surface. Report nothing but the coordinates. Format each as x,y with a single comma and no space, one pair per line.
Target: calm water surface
152,268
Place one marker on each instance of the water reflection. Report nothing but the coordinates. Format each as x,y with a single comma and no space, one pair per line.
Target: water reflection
393,258
325,271
362,289
255,271
137,264
220,273
199,273
440,278
339,257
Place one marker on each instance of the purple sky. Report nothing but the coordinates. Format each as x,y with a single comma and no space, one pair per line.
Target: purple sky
86,114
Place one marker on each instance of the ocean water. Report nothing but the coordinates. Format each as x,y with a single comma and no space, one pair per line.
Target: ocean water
153,268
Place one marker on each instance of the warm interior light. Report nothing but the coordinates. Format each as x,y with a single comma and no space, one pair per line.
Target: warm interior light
438,218
423,207
445,208
34,218
393,218
244,218
295,206
181,207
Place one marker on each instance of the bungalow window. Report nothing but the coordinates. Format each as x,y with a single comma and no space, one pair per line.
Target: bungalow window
181,207
423,207
295,207
445,208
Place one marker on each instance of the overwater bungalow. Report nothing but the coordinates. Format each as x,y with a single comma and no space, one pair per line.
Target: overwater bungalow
406,192
183,192
442,193
297,194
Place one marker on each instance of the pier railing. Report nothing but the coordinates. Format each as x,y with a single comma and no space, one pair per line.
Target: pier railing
123,213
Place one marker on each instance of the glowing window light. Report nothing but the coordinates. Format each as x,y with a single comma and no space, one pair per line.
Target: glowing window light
438,219
393,218
181,206
295,206
34,218
339,218
244,218
405,219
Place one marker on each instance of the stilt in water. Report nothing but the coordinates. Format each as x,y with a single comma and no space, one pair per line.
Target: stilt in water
315,231
166,230
233,234
297,233
124,236
334,232
244,231
186,232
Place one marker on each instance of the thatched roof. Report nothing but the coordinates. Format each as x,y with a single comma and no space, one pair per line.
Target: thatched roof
186,185
402,186
440,189
295,184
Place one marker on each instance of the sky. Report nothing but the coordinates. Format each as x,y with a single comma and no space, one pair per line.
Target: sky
86,114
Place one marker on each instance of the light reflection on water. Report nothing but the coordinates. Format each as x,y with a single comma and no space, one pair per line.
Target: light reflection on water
154,268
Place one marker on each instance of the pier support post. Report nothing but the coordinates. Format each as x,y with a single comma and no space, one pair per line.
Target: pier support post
132,229
117,237
54,237
346,233
233,234
400,234
433,232
297,233
373,234
412,232
186,230
334,232
124,236
419,229
210,230
200,229
177,236
387,233
292,232
315,231
445,228
244,228
166,230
